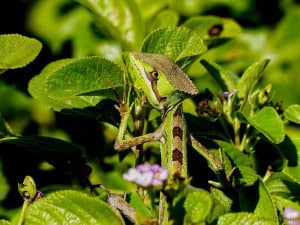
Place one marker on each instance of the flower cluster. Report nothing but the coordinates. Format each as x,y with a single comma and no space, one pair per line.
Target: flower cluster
147,175
292,216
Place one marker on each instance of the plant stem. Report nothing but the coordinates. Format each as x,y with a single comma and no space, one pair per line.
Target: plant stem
22,215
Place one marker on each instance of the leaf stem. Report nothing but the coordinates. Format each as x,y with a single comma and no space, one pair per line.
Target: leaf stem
22,215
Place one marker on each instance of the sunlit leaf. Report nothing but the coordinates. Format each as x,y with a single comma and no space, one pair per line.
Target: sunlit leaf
17,51
243,218
198,205
76,83
292,113
165,41
121,19
71,207
4,222
269,123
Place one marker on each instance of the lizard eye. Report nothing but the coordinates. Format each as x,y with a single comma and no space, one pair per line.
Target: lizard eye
154,75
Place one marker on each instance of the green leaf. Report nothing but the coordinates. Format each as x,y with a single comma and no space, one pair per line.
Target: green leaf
48,87
212,29
222,204
71,207
152,6
138,204
86,75
247,175
268,122
17,51
283,186
224,79
57,152
198,205
292,113
4,222
239,158
166,18
121,19
165,41
258,200
291,150
243,218
250,78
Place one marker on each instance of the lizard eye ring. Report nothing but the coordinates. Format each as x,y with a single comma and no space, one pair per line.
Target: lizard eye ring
154,75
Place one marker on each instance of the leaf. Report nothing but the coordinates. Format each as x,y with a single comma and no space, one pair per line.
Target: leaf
166,41
153,7
86,75
243,218
43,86
250,78
292,153
247,175
57,152
239,158
292,113
166,18
212,29
4,222
222,204
283,187
269,123
138,204
71,207
198,205
121,19
17,51
224,79
258,200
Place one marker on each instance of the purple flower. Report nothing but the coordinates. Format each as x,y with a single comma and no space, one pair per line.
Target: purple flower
147,175
292,216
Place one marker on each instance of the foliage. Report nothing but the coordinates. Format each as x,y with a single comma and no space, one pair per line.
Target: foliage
237,115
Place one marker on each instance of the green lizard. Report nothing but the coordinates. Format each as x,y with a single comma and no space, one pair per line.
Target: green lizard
165,86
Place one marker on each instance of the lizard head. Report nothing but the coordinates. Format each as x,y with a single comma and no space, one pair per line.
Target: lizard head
161,80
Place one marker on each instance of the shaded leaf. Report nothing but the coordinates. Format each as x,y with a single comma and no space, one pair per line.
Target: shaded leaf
165,41
292,170
292,113
258,200
238,157
247,175
224,79
269,123
17,51
60,153
212,29
251,77
71,207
